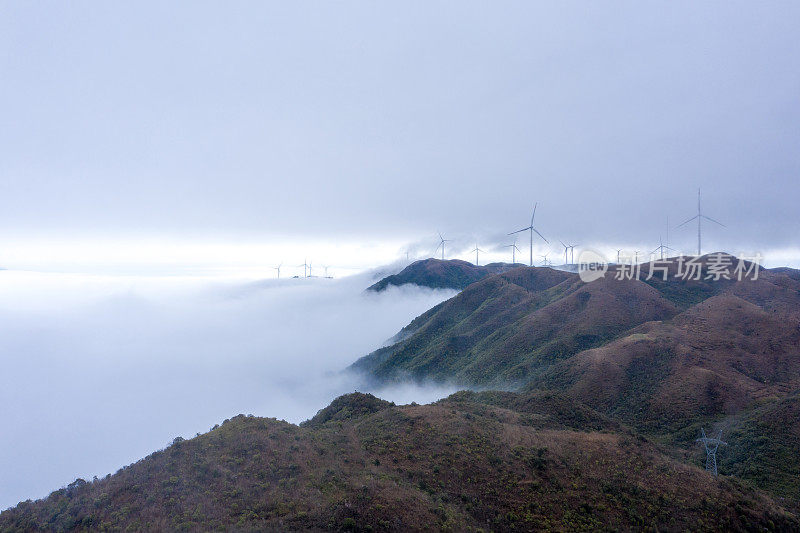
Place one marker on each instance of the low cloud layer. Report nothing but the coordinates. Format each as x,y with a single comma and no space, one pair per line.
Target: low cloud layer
99,372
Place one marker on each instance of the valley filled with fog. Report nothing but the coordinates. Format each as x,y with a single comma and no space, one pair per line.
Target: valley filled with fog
100,371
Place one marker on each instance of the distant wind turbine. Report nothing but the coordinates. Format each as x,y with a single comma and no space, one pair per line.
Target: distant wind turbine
442,240
661,248
513,250
572,253
476,250
618,251
566,249
544,260
305,267
531,229
699,216
278,268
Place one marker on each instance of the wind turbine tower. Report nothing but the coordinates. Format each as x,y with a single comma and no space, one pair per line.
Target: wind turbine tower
700,216
661,248
442,240
513,250
476,250
566,250
544,260
531,229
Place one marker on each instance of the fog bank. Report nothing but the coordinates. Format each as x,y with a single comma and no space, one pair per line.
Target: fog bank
100,371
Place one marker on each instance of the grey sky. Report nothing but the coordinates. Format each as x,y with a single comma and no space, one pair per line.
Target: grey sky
377,121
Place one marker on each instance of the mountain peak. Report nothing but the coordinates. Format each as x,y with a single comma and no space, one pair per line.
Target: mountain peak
441,274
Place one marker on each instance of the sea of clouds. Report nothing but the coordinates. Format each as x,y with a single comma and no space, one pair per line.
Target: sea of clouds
99,371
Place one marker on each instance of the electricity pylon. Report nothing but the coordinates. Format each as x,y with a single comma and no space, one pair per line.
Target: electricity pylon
711,445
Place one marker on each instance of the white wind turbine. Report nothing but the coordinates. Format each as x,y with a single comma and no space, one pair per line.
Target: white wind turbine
531,229
661,247
476,250
442,240
306,267
278,268
566,249
544,259
699,216
513,250
572,253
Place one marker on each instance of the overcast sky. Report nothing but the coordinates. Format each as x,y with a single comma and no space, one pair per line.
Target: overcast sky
376,125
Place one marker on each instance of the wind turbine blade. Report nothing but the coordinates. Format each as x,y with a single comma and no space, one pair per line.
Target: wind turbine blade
540,235
714,221
534,212
686,222
562,243
520,230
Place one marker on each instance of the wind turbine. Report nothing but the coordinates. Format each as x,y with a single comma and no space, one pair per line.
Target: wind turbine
572,253
636,257
661,248
531,229
566,249
305,266
699,216
442,240
326,270
278,268
618,251
476,250
309,270
544,261
513,249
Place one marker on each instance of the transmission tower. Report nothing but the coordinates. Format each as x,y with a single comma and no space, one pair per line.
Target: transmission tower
711,445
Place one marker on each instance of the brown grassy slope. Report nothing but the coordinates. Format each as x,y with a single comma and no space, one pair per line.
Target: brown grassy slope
716,358
504,329
457,465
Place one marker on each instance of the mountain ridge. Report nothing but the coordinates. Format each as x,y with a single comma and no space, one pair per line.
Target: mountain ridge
493,460
440,274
